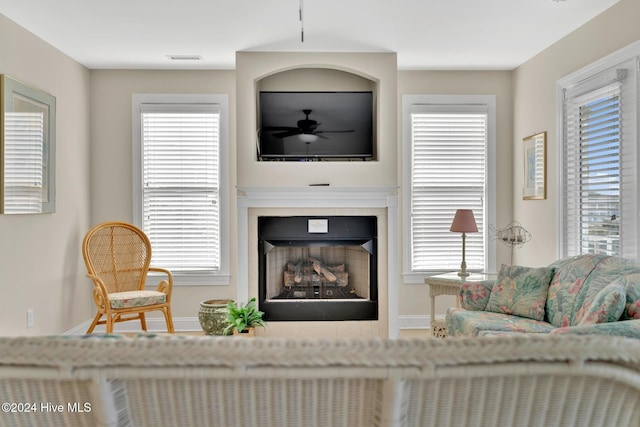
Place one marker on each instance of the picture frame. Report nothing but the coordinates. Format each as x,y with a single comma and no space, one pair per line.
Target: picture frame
27,148
534,185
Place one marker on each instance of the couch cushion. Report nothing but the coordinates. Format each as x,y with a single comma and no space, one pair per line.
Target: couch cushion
521,291
461,322
607,306
608,270
570,274
632,290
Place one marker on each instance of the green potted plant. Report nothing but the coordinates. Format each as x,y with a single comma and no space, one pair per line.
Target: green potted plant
244,318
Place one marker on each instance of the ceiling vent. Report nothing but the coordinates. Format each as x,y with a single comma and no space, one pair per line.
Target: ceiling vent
185,57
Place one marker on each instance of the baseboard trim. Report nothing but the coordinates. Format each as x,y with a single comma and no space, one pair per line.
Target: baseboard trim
154,324
416,322
192,324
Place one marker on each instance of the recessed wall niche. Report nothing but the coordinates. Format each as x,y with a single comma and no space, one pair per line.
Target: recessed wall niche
316,114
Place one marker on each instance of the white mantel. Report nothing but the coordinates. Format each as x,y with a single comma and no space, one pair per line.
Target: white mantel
323,197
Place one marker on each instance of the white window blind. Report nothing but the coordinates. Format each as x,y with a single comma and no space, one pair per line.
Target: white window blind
24,162
448,172
599,181
181,185
593,172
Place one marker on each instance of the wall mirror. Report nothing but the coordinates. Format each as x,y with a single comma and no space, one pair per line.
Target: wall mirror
27,148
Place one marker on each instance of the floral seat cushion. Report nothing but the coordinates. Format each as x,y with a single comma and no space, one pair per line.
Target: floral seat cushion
461,322
136,299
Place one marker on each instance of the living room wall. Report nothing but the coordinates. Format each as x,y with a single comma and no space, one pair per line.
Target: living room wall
40,254
40,259
414,297
111,150
535,111
111,155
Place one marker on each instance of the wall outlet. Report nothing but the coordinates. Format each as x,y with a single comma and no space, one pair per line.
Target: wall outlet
30,318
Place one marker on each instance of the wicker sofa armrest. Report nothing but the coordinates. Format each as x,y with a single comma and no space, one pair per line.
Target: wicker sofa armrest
475,295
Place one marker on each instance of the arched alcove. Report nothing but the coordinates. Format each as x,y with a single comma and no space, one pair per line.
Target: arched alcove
334,100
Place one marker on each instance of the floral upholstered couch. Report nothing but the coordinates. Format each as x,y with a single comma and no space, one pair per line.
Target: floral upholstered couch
586,294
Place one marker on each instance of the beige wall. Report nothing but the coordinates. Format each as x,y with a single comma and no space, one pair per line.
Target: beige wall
41,264
414,299
111,154
535,111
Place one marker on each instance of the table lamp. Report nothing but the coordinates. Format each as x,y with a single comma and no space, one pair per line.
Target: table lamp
464,222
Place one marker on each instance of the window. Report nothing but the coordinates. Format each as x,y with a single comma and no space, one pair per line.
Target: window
449,151
24,162
179,194
597,206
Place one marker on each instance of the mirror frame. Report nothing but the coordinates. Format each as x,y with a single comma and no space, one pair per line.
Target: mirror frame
10,91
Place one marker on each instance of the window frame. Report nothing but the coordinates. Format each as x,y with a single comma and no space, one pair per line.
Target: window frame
589,79
409,102
221,277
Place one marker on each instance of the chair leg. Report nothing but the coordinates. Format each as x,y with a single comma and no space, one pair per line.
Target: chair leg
169,319
109,324
94,323
143,322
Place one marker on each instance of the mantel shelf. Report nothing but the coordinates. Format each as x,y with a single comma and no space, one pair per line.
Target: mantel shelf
317,196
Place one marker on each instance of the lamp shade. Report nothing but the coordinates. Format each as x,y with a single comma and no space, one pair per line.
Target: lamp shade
464,222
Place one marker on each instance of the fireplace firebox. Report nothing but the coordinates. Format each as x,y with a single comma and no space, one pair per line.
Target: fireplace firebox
318,268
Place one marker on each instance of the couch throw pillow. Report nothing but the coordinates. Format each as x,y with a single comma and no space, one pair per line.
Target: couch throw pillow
475,295
607,306
521,291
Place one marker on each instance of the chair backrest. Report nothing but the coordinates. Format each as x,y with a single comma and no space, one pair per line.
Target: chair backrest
118,253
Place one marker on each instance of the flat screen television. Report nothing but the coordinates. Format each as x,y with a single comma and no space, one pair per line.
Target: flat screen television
315,125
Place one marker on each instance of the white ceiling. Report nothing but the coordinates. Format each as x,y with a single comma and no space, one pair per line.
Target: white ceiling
426,34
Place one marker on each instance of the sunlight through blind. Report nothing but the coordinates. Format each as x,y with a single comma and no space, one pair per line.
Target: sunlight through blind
447,173
593,172
181,187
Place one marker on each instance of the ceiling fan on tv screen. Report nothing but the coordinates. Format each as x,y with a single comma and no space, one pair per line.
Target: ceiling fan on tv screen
306,130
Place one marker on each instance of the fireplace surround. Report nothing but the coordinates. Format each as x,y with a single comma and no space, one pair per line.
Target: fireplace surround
382,202
318,268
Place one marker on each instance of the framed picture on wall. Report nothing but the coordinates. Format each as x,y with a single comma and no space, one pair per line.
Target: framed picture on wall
534,185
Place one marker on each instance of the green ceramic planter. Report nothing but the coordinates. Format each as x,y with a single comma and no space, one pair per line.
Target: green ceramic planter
213,316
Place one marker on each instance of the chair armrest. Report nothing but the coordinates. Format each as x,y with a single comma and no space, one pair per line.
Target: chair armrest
165,286
100,293
623,328
475,295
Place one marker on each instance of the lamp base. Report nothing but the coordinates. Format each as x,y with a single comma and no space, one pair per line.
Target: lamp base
463,273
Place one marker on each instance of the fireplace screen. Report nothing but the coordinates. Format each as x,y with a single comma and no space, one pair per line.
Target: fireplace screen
318,268
334,272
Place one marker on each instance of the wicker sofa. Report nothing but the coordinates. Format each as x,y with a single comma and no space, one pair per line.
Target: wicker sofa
587,294
148,380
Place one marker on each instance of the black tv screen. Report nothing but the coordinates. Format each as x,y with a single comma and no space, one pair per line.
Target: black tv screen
315,125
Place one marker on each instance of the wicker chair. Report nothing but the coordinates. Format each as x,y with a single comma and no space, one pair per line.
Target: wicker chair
117,256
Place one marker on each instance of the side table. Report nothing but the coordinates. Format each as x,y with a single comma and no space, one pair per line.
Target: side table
448,284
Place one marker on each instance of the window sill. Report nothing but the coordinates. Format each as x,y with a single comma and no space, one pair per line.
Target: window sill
195,279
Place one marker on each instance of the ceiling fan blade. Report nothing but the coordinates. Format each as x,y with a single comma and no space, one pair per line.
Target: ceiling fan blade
285,134
279,128
335,131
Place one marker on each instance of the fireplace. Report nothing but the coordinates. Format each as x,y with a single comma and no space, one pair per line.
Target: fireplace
314,268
